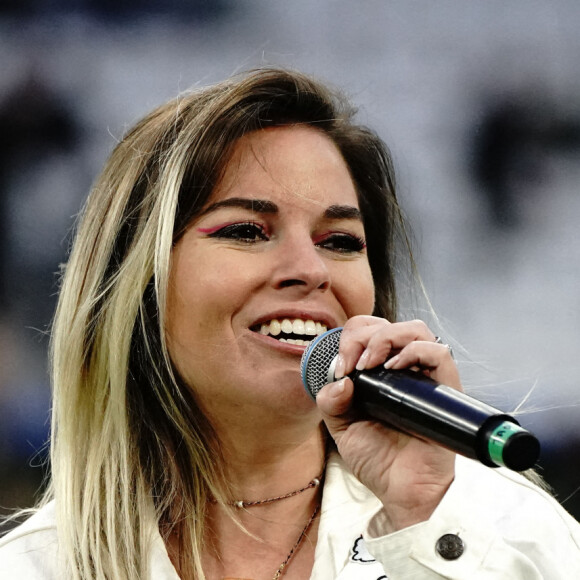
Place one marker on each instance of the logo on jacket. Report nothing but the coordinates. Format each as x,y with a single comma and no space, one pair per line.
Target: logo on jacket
359,552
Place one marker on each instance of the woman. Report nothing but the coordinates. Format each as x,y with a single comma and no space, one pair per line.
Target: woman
228,228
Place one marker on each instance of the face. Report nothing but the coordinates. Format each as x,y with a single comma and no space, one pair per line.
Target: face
277,256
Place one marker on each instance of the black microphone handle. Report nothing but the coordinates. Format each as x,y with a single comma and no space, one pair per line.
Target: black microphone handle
422,407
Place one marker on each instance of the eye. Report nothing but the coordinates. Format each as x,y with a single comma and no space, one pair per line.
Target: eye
248,232
342,243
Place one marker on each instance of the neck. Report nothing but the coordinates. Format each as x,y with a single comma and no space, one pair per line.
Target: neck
267,456
262,539
272,468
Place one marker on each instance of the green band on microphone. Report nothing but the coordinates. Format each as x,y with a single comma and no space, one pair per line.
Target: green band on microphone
499,439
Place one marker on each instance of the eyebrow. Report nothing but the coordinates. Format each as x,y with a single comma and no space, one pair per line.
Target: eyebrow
257,205
268,207
343,212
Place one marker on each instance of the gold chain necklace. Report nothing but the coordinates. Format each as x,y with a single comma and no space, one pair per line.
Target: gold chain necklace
245,504
242,503
286,562
295,547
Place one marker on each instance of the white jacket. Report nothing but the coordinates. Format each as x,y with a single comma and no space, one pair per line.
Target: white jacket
496,523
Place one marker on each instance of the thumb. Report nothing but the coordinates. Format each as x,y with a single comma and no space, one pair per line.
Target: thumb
334,401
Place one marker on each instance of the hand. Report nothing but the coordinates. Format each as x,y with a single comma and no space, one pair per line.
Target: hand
410,476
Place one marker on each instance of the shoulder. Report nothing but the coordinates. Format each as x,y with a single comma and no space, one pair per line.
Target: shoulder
503,520
509,499
30,551
491,521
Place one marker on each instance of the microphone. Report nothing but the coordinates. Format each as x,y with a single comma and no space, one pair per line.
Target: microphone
420,406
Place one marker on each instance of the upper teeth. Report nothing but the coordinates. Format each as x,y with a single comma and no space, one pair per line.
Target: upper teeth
295,326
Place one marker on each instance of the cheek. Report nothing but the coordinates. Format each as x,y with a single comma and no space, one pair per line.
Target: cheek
194,305
194,327
187,307
367,298
205,292
358,292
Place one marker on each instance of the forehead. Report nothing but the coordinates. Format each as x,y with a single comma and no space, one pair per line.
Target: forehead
294,165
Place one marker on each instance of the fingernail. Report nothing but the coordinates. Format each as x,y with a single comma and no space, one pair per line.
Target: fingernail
337,388
392,362
361,365
339,367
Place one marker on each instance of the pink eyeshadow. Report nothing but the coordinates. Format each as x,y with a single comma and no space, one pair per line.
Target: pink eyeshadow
214,228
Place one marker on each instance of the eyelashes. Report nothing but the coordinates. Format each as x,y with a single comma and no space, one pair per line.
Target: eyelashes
341,242
248,232
252,232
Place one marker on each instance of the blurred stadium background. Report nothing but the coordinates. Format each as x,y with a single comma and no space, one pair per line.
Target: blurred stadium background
479,102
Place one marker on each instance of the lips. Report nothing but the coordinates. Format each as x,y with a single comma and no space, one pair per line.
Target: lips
293,331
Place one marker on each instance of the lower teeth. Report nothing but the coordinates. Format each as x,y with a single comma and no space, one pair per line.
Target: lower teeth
295,341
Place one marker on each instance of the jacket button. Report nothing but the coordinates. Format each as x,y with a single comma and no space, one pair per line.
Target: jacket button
450,546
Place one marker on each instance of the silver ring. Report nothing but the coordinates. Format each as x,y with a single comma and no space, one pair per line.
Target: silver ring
439,340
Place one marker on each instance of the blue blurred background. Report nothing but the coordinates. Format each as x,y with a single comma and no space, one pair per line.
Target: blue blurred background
479,102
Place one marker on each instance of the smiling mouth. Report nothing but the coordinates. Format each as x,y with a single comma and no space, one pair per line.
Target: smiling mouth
296,331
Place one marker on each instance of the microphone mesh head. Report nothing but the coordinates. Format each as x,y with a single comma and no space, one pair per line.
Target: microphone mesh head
316,361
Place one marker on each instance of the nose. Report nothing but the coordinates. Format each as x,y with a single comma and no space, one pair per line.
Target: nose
300,265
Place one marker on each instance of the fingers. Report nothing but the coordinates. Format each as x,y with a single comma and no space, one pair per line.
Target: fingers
367,342
433,359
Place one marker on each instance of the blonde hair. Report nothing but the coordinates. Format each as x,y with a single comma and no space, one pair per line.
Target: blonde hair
131,451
